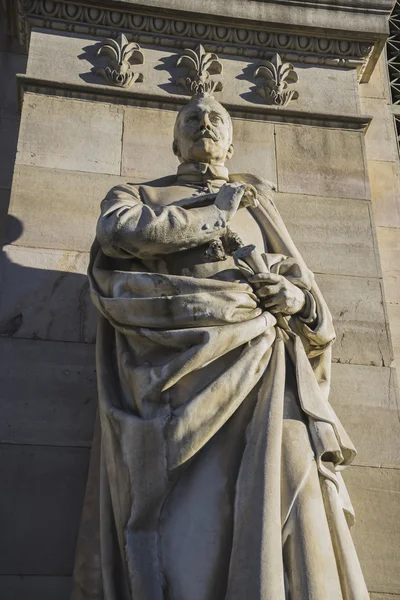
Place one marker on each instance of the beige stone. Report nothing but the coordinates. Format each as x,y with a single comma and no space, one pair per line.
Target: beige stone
375,495
62,133
43,198
389,249
366,400
385,596
254,149
380,138
58,406
334,235
147,143
385,190
72,59
45,295
321,162
357,307
394,321
42,493
377,87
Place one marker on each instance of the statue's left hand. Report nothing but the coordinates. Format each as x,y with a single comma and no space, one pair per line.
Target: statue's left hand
278,294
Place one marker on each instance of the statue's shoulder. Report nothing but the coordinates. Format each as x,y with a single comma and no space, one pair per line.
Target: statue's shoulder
266,189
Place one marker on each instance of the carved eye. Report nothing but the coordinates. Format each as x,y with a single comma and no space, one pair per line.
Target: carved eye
216,119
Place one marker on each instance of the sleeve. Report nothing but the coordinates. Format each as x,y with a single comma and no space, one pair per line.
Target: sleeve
127,227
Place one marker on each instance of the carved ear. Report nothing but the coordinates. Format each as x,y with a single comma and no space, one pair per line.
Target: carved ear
175,148
229,154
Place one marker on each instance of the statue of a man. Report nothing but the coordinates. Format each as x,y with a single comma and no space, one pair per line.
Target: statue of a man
220,452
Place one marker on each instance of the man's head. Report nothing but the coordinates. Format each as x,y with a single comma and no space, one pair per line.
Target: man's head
203,132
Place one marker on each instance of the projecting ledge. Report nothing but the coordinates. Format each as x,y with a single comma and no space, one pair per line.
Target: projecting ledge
129,97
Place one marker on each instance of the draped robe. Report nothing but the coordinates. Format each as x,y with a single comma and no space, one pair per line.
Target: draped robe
220,453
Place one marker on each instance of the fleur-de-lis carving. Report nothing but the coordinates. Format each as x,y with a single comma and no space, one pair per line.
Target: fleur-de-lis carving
277,76
122,53
201,65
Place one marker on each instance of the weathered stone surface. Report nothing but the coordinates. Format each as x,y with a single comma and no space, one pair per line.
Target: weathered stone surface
62,133
10,64
379,596
377,86
366,401
375,494
380,138
147,143
357,308
321,162
394,321
254,149
8,147
45,295
41,500
70,59
334,235
43,198
26,587
59,404
385,192
389,249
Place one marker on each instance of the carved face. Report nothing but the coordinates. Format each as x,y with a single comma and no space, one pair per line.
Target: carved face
203,132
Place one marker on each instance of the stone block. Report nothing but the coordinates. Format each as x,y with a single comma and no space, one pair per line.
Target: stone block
356,304
42,199
367,402
26,587
375,494
10,64
389,250
71,59
63,133
321,162
40,506
147,143
379,596
394,322
8,148
334,235
380,139
48,393
45,295
377,87
254,149
385,191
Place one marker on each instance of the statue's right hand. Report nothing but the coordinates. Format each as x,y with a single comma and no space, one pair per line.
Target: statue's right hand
229,198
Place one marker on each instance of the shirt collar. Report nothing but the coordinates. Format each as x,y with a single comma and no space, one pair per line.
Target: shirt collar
201,173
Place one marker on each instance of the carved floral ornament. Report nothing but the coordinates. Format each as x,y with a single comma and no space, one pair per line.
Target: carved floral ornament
257,43
276,76
122,53
201,65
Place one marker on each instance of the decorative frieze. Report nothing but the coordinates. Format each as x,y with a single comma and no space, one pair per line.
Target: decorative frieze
122,53
276,77
180,33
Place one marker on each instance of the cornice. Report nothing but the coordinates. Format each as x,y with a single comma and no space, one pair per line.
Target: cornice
135,97
253,41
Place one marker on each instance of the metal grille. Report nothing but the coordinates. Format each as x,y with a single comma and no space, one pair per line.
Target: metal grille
393,54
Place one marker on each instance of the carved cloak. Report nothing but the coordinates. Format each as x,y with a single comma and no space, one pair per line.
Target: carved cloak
220,453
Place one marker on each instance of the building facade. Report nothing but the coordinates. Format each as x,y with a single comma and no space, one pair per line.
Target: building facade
70,130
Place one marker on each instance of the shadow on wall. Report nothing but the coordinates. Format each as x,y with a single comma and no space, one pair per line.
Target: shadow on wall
44,293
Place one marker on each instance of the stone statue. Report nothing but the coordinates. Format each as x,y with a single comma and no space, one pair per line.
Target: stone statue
221,455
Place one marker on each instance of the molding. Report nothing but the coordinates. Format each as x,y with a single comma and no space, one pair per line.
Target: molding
216,34
133,97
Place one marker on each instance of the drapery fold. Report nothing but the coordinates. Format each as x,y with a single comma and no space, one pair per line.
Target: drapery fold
209,407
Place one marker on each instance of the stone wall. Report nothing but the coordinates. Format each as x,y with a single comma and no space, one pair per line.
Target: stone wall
78,138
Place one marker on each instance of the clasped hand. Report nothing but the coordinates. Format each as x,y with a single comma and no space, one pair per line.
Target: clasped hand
233,195
278,294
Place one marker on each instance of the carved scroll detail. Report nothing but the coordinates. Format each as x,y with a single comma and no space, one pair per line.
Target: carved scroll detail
201,66
276,76
122,53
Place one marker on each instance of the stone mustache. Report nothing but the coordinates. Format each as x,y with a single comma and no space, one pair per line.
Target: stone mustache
221,455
